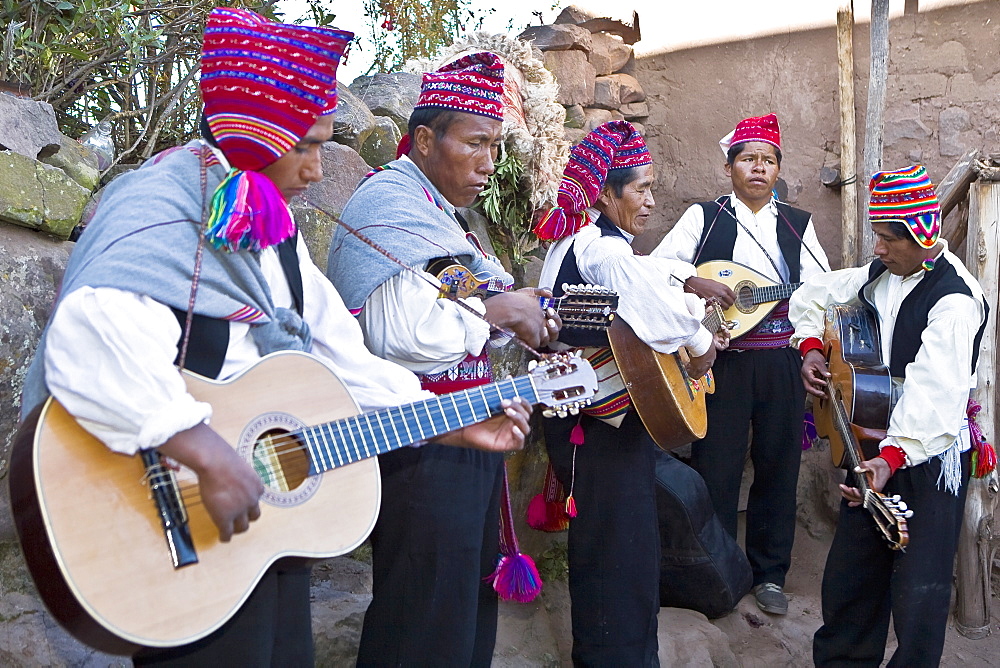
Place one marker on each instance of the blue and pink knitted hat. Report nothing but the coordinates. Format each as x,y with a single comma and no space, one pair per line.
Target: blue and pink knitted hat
907,196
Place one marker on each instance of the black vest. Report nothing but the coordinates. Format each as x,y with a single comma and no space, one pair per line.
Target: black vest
209,340
911,320
719,244
569,273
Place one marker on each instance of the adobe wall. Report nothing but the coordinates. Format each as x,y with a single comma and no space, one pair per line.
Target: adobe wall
943,99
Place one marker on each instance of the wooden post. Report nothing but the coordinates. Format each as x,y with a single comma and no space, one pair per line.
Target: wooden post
848,136
875,117
975,548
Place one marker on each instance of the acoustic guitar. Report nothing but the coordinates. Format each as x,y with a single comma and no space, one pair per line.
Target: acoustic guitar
122,549
756,294
670,403
855,413
581,306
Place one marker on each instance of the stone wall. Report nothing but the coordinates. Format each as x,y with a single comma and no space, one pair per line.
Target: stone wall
943,99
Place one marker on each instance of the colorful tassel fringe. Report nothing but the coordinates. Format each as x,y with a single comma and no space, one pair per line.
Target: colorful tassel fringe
547,511
248,213
515,577
984,457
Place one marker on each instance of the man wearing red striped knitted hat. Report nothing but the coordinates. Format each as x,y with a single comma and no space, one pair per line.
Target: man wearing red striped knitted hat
931,315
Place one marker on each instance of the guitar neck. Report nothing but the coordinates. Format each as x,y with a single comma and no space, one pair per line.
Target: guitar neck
851,445
773,293
363,436
715,321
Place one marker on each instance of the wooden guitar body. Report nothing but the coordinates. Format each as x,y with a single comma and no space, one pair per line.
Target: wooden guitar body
670,403
107,576
862,382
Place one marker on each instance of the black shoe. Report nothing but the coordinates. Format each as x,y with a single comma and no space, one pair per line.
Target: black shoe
770,598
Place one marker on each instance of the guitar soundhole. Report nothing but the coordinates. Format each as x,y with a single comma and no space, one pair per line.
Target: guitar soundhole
281,460
744,297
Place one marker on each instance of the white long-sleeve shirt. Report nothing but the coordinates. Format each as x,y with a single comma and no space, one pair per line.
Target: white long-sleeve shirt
931,408
681,242
659,313
405,320
109,358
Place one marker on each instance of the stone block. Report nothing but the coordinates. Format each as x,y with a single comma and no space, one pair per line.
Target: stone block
609,53
575,136
575,117
574,14
921,86
631,90
343,169
558,37
905,128
953,124
39,196
574,74
380,147
963,89
607,92
634,110
353,121
639,127
28,127
392,95
78,161
596,117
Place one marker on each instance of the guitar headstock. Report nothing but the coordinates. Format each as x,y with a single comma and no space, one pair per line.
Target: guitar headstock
585,306
890,514
564,382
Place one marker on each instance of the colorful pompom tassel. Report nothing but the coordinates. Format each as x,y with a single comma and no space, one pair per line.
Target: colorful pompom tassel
515,577
248,213
984,457
547,511
928,264
576,437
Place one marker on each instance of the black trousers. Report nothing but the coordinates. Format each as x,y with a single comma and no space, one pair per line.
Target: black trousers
273,628
614,543
865,582
762,389
436,538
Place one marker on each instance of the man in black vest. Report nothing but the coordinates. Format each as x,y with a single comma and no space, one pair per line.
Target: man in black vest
931,315
757,379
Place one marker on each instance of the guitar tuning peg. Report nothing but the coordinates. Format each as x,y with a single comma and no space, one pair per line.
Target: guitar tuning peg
901,505
578,352
895,497
532,364
574,410
561,412
548,412
908,514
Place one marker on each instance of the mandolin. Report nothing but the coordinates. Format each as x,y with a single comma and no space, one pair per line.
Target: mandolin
670,403
756,294
581,307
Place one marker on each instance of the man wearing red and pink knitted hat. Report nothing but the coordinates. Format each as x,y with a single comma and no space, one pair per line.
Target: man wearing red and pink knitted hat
931,315
757,379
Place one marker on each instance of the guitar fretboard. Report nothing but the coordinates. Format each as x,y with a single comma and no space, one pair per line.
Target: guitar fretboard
363,436
773,293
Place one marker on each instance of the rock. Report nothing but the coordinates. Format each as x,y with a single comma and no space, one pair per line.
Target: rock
78,161
905,128
353,122
687,638
953,123
575,136
33,264
575,117
28,127
634,110
343,169
38,196
596,117
607,93
392,95
631,90
380,147
574,75
340,592
558,37
639,127
573,14
609,53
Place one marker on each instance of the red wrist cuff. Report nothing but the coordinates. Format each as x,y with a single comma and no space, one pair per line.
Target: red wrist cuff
812,343
894,456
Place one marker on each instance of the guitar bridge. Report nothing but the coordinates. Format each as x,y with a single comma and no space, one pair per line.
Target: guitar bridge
165,495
